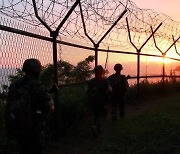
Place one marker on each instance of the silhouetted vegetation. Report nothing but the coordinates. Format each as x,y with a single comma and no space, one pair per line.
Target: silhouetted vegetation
144,133
152,131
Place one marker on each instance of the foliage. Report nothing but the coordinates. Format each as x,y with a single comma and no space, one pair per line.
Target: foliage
144,133
46,75
83,71
150,132
151,89
19,74
68,73
12,78
135,134
6,146
2,134
72,107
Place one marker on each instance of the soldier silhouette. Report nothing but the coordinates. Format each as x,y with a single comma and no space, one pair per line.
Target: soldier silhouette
119,86
97,94
28,105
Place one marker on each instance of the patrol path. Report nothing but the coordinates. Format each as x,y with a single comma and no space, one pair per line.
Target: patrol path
83,142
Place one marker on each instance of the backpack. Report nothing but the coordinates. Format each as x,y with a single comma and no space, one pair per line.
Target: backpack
18,111
97,91
119,84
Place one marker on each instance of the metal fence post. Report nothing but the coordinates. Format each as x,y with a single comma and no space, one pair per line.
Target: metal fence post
54,35
138,53
96,45
138,74
96,53
163,56
56,100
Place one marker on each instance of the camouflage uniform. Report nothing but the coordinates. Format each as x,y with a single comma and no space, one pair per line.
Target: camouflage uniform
31,139
119,86
97,98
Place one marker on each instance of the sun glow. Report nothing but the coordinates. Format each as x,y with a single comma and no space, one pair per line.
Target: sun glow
160,60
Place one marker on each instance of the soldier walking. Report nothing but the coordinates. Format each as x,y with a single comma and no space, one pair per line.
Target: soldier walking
97,94
119,86
28,105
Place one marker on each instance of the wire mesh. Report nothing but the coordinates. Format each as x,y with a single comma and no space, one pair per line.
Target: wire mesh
98,15
16,48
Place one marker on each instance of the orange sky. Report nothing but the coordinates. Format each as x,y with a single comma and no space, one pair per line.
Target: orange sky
168,7
149,65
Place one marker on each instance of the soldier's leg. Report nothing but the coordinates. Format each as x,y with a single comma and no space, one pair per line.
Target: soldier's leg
23,144
34,141
101,118
94,111
23,141
122,107
114,104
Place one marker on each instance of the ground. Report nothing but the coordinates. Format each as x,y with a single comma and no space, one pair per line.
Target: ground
83,142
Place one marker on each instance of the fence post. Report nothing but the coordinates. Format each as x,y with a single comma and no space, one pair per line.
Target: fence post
163,86
96,45
96,53
163,55
138,74
138,54
54,35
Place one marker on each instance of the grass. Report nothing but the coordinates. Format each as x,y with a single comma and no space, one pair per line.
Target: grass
2,135
153,132
156,131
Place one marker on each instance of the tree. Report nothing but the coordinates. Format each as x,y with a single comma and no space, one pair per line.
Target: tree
83,71
68,73
64,73
19,74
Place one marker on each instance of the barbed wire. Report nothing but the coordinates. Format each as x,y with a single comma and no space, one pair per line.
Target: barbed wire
98,16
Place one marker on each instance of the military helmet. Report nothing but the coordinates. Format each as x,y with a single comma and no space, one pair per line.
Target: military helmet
118,67
98,68
32,66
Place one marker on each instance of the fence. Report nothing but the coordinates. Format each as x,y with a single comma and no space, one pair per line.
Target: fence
19,44
100,29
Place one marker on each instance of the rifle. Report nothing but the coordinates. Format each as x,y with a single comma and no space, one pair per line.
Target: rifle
128,77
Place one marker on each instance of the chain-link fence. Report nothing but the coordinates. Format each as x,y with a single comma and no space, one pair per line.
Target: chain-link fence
145,42
19,44
113,31
29,42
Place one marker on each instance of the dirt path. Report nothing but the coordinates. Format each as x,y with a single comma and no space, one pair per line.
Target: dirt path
83,142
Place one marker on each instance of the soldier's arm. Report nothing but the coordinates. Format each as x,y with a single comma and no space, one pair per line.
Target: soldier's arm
109,88
45,98
126,82
51,104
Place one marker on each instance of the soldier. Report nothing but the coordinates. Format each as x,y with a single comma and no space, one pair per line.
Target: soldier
97,91
28,105
119,86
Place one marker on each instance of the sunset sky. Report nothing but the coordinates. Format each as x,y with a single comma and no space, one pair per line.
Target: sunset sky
152,65
168,7
149,65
